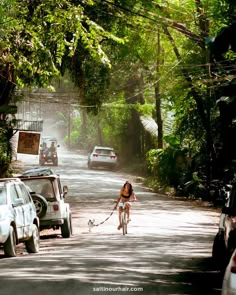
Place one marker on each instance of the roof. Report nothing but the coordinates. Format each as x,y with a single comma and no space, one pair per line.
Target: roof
103,147
10,179
51,176
38,171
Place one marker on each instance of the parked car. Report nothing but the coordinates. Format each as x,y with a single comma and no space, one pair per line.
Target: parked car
49,198
229,280
225,239
102,157
18,219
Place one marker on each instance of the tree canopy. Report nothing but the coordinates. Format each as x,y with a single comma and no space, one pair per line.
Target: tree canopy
134,61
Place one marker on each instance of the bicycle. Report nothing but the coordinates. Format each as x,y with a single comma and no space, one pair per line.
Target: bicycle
124,218
123,214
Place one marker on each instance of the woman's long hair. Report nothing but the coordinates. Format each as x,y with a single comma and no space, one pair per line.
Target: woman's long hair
130,187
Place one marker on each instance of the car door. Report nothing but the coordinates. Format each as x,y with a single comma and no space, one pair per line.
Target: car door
17,210
27,207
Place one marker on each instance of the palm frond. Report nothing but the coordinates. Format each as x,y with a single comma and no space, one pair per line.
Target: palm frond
150,125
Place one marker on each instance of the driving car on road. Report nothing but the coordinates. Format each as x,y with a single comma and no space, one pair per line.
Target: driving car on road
48,151
102,157
49,198
18,218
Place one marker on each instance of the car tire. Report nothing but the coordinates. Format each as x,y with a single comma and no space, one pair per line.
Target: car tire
10,245
66,227
71,227
32,245
219,253
41,205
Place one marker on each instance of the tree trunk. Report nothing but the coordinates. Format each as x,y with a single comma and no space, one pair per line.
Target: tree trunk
158,95
199,102
133,94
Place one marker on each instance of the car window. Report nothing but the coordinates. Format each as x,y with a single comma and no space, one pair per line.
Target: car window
3,195
13,193
103,152
59,186
42,187
22,193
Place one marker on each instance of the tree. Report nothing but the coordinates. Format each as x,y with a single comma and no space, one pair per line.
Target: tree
39,40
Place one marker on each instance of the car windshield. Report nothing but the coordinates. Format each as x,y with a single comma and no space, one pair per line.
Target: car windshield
49,140
3,195
104,152
42,187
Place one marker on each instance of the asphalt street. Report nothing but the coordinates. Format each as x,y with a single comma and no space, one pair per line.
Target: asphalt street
167,249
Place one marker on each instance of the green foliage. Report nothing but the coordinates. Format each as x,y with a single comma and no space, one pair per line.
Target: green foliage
161,46
169,164
230,55
5,152
41,34
195,188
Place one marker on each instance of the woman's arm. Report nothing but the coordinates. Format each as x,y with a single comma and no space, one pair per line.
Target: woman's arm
133,197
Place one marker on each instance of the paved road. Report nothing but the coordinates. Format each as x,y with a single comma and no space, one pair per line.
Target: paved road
167,249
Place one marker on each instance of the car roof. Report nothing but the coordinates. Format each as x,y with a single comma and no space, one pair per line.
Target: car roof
10,179
48,138
103,147
39,171
51,177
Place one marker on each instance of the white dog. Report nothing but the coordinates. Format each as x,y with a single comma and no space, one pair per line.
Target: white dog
91,224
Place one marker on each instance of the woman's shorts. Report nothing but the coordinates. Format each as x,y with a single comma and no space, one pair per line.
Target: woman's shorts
124,203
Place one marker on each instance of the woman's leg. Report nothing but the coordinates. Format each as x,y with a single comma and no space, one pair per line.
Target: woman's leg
119,226
128,212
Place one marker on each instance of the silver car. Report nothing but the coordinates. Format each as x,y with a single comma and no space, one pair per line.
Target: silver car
18,218
102,157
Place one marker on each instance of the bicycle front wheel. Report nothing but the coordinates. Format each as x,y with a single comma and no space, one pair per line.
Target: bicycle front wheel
124,223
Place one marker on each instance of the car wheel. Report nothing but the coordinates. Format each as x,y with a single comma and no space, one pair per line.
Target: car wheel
41,205
32,245
90,165
219,253
10,245
41,162
55,162
71,227
66,227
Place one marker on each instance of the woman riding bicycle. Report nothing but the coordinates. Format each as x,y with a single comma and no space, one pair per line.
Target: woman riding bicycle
126,196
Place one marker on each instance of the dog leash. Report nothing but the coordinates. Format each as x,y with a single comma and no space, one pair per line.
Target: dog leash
91,222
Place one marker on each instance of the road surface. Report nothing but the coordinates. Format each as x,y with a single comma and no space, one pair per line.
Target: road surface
167,249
